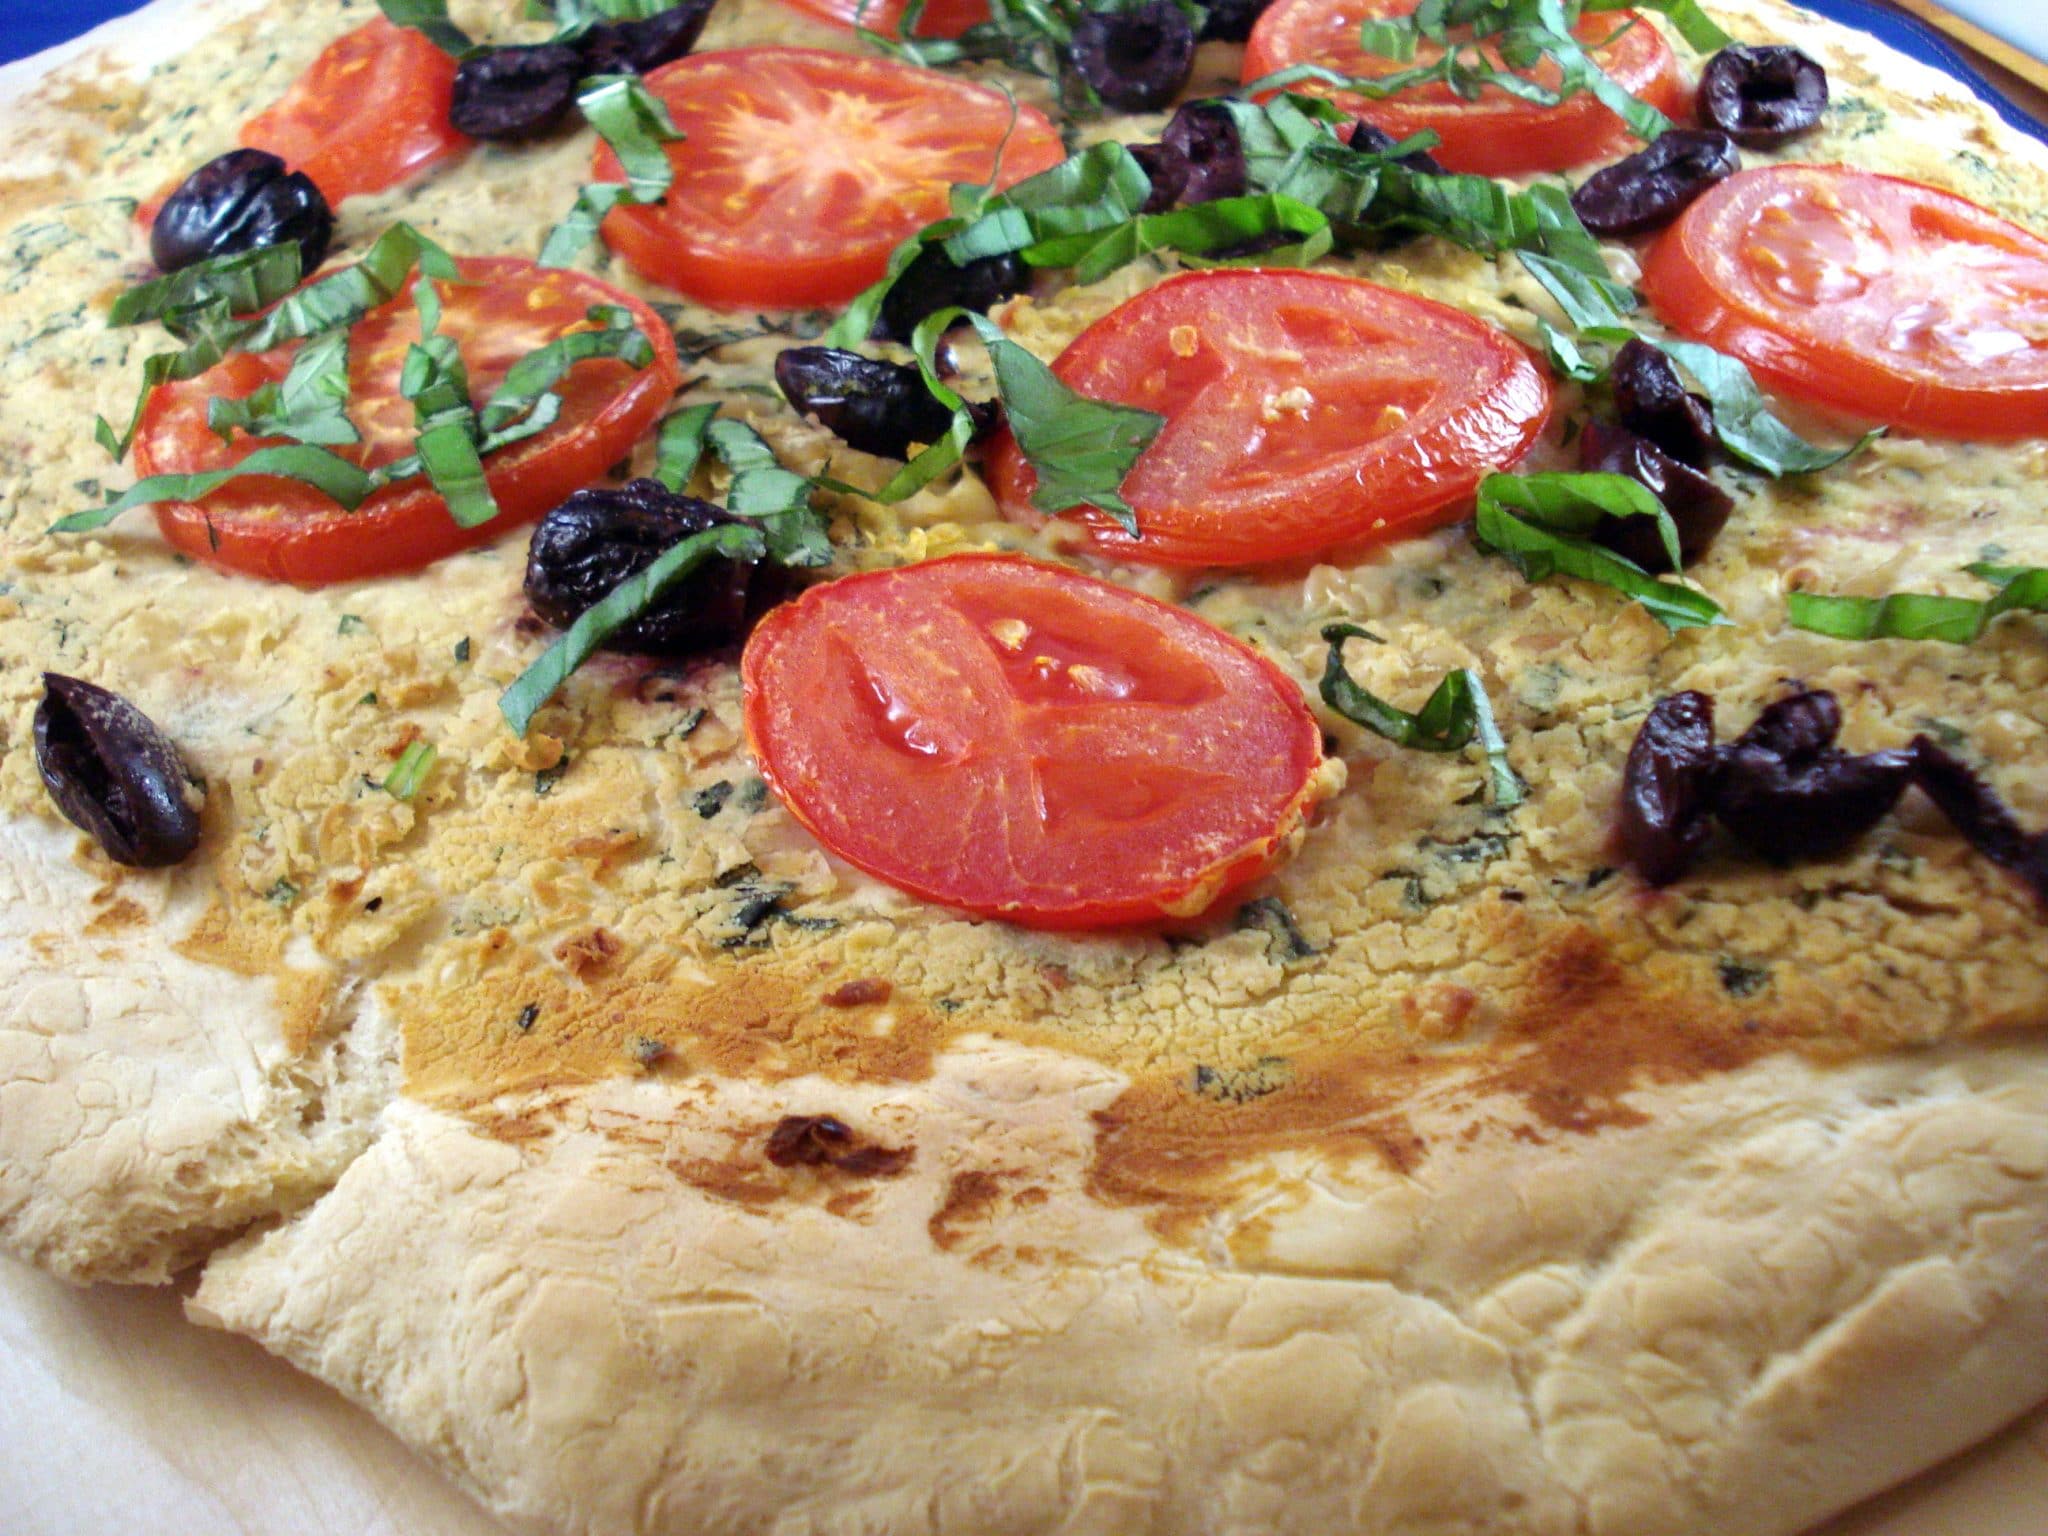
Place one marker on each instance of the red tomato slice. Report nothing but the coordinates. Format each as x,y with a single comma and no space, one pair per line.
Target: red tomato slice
1879,297
1304,411
503,309
371,112
942,18
802,170
1497,135
1022,742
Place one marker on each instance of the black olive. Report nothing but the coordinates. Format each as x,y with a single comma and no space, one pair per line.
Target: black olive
1653,403
1977,812
1699,507
512,94
1167,172
242,201
114,773
1204,136
1370,138
1654,185
635,47
1787,793
1136,60
1760,97
1667,787
931,283
597,538
877,407
1230,21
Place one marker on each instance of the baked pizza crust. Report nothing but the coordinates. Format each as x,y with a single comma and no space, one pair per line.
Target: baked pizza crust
1726,1294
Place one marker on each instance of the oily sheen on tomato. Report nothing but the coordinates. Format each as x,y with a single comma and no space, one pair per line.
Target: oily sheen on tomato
1305,411
800,171
941,18
1879,297
370,112
503,309
1497,135
1023,742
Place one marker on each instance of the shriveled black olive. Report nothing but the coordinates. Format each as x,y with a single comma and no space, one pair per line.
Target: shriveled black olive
931,283
877,407
1760,97
241,201
510,94
635,47
1370,138
1699,507
1977,812
1136,60
115,774
1787,793
827,1141
1230,21
1653,186
1204,135
1667,787
1653,403
1166,170
597,538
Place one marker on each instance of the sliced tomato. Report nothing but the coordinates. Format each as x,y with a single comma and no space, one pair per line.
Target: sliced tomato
502,309
370,112
1304,412
1023,742
941,18
801,170
1879,297
1499,134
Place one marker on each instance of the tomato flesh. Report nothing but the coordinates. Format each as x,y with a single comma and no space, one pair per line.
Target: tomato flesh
370,112
801,170
1497,135
1020,741
1304,411
941,18
502,309
1875,296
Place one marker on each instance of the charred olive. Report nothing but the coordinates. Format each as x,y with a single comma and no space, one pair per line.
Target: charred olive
1136,60
1760,97
1204,137
1653,186
1167,172
1371,139
242,201
1699,507
510,94
597,538
1231,21
931,283
877,407
1667,788
1977,812
1786,792
115,774
1653,403
635,47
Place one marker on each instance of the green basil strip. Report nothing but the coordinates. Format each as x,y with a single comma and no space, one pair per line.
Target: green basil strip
540,370
429,18
681,445
437,384
309,405
618,607
942,455
1198,231
1454,715
334,477
410,772
632,120
205,350
1919,615
777,499
1054,216
1699,30
1743,421
346,296
1574,504
245,282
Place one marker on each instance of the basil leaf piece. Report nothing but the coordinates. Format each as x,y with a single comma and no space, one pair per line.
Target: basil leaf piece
1700,31
344,297
410,772
777,499
624,603
1053,217
341,482
935,459
1574,504
309,405
1743,421
680,446
1540,552
244,282
1920,615
619,337
436,382
1454,715
429,18
632,120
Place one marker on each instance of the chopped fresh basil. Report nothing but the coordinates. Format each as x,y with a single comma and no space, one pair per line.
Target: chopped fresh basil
632,120
410,771
1456,714
309,405
333,476
1920,615
618,337
681,445
1743,421
778,500
625,602
436,382
429,18
244,282
1549,539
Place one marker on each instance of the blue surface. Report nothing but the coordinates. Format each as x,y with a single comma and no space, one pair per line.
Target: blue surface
30,26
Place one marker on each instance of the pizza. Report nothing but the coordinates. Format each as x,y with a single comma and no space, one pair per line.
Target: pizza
822,769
